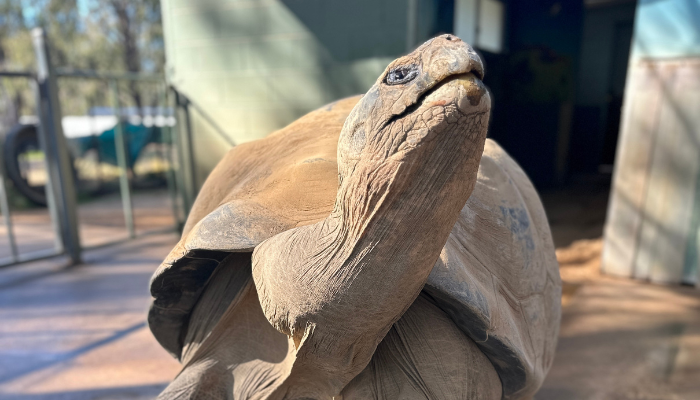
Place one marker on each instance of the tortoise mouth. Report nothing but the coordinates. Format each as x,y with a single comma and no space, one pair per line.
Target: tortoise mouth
457,87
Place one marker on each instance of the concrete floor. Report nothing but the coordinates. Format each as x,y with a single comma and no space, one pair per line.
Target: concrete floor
80,333
577,211
101,220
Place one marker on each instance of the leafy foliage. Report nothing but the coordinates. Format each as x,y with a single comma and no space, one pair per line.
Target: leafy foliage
100,35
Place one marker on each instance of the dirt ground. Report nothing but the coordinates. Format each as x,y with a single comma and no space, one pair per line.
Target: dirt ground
620,339
576,216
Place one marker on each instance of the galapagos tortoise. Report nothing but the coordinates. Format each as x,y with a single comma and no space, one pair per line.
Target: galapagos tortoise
337,256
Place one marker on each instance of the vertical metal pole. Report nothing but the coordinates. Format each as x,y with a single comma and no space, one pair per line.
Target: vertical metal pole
120,145
5,209
95,139
48,188
167,139
186,154
61,188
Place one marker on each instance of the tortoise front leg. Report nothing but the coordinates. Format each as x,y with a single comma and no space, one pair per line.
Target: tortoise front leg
230,350
425,356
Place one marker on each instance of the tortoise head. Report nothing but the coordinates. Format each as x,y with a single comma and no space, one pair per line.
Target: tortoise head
434,94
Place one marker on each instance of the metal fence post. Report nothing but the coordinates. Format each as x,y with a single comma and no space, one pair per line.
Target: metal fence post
120,144
167,139
185,151
61,187
5,209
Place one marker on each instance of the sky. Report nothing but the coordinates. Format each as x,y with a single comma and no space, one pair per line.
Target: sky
31,10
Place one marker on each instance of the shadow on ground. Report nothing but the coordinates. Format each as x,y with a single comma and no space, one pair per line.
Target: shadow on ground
80,333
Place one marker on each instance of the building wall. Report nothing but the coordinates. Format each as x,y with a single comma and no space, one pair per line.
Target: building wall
254,66
534,85
667,29
654,213
597,47
249,67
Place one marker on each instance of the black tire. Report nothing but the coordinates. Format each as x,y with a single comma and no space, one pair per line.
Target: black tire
19,139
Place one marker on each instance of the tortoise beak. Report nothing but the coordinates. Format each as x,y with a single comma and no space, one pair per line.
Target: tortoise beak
466,90
471,93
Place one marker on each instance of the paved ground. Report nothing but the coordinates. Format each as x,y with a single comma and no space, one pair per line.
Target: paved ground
80,334
100,221
577,211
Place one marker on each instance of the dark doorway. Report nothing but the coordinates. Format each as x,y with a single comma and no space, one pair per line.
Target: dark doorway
602,71
620,57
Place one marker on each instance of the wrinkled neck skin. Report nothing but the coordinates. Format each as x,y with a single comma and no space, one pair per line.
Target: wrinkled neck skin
336,287
408,163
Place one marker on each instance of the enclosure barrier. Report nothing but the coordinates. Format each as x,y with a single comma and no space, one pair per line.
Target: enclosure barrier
60,185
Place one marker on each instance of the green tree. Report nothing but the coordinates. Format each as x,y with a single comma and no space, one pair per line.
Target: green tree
101,35
136,34
13,37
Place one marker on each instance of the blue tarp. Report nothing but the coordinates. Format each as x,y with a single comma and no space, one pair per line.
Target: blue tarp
137,137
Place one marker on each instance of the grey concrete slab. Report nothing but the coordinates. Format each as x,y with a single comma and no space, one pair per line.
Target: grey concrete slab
80,333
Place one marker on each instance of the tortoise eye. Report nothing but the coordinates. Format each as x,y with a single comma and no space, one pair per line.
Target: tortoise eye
402,74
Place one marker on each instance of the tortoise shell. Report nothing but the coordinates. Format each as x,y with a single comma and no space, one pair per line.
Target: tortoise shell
497,276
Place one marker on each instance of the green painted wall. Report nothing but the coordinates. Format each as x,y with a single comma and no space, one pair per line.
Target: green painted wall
253,66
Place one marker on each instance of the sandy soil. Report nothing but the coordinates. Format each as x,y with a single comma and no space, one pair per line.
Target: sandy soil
579,263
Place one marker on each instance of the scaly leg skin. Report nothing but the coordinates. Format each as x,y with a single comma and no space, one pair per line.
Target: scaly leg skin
426,357
231,351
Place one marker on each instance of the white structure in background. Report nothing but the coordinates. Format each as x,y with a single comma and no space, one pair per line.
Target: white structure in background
76,126
652,230
480,23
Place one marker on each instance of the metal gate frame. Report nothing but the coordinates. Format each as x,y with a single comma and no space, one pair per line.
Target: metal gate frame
60,186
